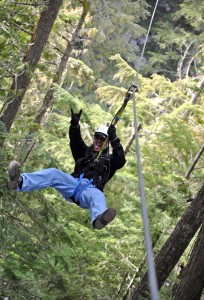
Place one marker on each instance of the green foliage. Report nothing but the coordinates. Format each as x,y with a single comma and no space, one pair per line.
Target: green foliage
48,248
176,40
193,16
16,26
115,95
125,73
80,73
113,24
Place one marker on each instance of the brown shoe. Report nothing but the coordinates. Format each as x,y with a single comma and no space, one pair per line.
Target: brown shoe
14,175
106,217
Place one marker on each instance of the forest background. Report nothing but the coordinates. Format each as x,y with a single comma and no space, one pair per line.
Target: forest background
59,55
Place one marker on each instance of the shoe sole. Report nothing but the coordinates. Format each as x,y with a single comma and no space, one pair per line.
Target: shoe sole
13,170
12,185
105,218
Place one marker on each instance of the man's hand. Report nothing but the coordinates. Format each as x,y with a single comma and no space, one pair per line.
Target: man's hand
75,117
112,132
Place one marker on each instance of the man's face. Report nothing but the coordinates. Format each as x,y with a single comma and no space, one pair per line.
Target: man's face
98,142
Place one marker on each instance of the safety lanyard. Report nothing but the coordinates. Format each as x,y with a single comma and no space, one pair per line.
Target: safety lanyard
77,188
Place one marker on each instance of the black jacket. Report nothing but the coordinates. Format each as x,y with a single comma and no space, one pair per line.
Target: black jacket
85,156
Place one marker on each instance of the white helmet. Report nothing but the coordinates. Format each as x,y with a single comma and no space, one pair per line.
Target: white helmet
102,130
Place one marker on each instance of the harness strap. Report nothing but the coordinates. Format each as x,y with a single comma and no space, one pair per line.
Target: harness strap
86,185
78,190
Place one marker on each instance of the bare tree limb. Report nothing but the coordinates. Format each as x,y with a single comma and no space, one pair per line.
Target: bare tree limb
129,144
180,64
191,168
190,62
197,94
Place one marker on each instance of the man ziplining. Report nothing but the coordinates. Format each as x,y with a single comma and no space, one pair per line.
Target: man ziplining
85,185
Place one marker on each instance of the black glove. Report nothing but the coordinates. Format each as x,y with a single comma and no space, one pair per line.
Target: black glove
75,117
112,132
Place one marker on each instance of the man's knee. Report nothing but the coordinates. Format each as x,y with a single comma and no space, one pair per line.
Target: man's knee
54,173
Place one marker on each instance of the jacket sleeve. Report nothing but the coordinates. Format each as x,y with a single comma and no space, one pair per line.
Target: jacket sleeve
77,145
117,158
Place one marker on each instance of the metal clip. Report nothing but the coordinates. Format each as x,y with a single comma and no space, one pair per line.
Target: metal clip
135,86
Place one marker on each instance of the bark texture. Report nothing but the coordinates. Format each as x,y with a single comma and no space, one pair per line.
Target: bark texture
192,280
174,247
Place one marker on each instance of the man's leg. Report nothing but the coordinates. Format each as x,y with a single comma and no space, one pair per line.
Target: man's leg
64,183
94,199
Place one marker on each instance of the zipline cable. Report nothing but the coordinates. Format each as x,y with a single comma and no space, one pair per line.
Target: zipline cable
152,278
150,261
131,94
147,35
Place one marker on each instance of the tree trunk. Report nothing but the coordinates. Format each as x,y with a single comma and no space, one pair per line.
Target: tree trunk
57,78
192,281
22,80
176,244
198,155
28,146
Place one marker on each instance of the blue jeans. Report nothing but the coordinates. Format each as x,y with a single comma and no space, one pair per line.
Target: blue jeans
90,198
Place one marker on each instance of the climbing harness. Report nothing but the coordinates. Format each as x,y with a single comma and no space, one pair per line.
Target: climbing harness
91,169
78,191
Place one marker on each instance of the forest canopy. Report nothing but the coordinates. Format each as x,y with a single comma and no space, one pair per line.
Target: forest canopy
60,55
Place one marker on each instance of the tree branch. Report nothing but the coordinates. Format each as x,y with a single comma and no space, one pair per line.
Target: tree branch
180,64
190,62
197,94
129,144
191,168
